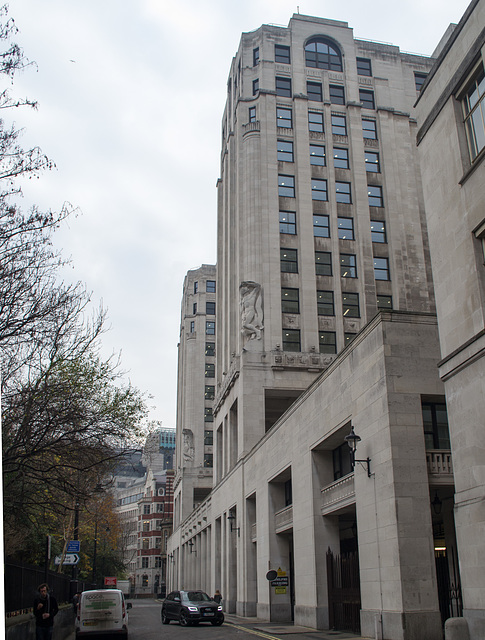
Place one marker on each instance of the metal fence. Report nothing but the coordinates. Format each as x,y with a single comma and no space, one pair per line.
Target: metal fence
21,582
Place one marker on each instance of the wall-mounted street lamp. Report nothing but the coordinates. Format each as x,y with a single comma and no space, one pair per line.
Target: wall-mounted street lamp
352,439
436,503
170,557
231,517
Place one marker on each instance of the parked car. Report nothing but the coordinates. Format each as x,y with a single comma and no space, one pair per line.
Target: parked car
191,607
102,612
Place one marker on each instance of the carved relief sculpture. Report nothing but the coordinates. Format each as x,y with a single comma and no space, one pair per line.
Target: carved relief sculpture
251,309
188,445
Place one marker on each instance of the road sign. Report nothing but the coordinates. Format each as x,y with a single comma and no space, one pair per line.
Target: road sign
73,546
69,558
110,581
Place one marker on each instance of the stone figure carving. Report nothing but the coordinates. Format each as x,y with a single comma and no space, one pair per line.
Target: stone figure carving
251,309
188,445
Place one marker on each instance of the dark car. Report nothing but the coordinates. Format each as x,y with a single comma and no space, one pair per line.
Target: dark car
191,607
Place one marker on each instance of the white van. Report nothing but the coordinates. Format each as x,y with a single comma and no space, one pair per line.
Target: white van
102,612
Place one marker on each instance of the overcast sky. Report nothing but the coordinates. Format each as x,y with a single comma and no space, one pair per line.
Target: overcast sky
131,95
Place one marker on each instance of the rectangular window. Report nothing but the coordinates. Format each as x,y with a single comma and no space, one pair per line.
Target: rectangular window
146,509
323,263
369,129
350,305
282,54
288,222
289,260
317,155
321,227
339,125
325,305
384,302
208,417
208,460
340,158
474,110
252,114
337,94
284,118
348,265
314,91
291,340
285,150
348,337
378,231
255,56
146,525
208,438
315,121
375,196
209,391
345,228
364,67
419,79
327,342
158,562
192,326
342,464
210,286
210,370
194,308
381,269
144,565
210,328
196,286
210,348
367,98
286,186
255,86
319,189
290,300
210,308
343,192
435,424
372,162
283,87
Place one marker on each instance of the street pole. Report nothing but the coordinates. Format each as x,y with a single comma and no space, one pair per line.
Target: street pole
94,551
76,536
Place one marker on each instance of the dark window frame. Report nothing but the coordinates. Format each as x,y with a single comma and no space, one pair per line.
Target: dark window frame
282,54
383,270
378,236
326,264
364,67
288,226
345,226
291,338
317,124
329,346
324,227
314,91
279,118
348,265
350,305
321,53
325,303
283,86
286,189
284,154
288,260
337,94
339,129
367,98
320,191
317,159
343,192
290,300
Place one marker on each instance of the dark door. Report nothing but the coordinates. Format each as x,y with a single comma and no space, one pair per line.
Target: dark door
343,582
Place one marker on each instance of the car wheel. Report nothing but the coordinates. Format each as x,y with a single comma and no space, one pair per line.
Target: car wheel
165,620
217,623
184,622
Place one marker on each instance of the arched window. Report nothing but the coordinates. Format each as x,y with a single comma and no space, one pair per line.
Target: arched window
322,54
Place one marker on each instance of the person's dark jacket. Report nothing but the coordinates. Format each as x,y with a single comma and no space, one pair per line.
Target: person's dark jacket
49,605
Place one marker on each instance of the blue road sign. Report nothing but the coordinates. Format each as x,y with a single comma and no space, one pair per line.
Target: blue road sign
73,546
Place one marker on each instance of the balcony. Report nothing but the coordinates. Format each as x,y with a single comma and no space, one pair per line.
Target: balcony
440,466
339,494
283,519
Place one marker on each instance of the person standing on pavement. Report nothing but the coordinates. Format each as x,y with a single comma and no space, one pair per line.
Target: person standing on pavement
45,608
217,597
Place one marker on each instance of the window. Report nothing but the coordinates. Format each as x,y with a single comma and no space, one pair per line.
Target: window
208,460
146,509
372,162
288,493
327,342
288,222
343,192
158,562
319,189
255,86
321,228
283,87
378,231
375,196
160,507
290,300
342,464
291,340
367,98
315,121
345,228
208,417
337,94
325,305
285,150
435,424
364,67
350,305
144,565
208,438
210,308
210,286
194,308
210,348
286,186
419,79
282,54
192,326
340,158
384,302
255,57
317,155
196,286
348,266
474,109
322,54
348,337
209,391
210,328
289,260
339,125
210,370
323,263
252,114
314,91
369,129
284,118
146,525
381,269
